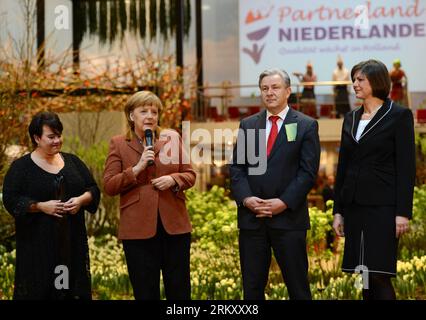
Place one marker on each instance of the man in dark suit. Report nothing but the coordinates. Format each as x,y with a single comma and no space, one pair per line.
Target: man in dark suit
271,193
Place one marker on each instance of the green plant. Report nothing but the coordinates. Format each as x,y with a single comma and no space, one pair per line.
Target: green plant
215,268
7,273
105,220
420,139
7,226
110,279
214,216
320,225
414,242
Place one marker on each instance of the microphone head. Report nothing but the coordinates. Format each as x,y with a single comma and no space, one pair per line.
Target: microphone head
148,133
148,139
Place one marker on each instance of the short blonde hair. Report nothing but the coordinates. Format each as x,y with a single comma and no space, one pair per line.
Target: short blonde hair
140,99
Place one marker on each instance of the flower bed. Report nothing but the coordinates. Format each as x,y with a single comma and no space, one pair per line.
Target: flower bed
215,268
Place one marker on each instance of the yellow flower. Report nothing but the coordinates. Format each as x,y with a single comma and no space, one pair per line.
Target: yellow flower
226,229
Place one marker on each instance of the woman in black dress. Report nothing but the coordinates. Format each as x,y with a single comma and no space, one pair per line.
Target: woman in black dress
47,192
375,180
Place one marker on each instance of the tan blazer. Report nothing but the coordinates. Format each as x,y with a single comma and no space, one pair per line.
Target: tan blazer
140,202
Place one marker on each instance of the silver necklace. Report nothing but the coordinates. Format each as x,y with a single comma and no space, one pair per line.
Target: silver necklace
371,114
364,133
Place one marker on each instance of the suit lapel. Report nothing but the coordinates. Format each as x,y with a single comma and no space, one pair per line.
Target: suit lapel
261,121
260,139
158,145
135,144
375,122
356,117
138,147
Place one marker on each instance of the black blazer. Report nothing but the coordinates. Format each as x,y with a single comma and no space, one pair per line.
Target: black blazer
380,169
289,175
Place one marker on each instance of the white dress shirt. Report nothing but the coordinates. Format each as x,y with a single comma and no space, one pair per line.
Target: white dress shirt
280,121
361,127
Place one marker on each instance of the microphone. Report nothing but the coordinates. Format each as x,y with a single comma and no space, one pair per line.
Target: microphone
148,140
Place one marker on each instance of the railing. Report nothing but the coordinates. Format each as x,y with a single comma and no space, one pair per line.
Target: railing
204,110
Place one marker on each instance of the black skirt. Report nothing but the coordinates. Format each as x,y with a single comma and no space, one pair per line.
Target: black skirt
370,239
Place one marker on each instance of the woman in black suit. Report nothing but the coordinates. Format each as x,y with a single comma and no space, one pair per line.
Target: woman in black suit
375,180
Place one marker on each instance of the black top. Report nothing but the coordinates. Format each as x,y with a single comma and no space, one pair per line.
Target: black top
380,168
43,241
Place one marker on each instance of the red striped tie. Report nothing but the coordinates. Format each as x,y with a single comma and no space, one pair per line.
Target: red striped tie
273,134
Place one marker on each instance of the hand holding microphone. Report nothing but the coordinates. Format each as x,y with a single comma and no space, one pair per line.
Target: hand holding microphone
148,156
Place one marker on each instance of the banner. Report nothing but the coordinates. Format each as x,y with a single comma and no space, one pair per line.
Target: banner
289,34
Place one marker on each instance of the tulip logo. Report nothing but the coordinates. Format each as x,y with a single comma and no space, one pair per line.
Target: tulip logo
257,17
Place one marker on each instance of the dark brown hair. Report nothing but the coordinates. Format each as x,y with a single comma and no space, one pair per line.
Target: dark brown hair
378,76
45,118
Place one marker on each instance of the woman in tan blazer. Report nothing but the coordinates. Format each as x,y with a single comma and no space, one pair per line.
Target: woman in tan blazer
154,223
